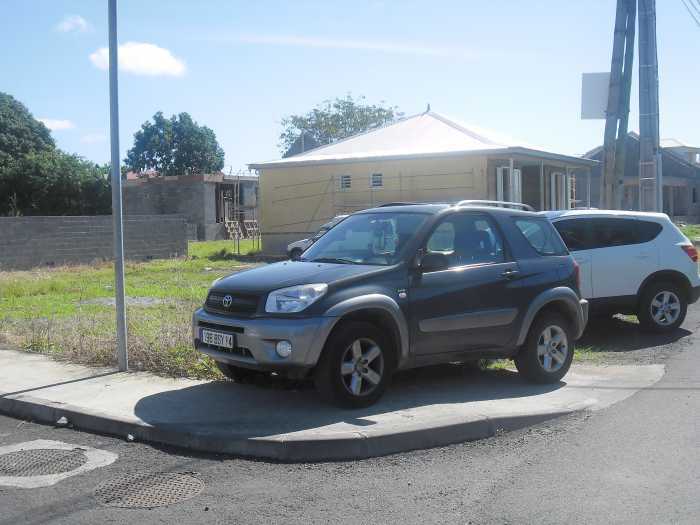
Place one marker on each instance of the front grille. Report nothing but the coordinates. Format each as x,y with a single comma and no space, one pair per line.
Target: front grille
231,303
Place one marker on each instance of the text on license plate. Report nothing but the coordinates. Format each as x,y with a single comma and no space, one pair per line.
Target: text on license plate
217,339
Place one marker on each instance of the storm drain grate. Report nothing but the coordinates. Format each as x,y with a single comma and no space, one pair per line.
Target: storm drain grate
148,490
41,462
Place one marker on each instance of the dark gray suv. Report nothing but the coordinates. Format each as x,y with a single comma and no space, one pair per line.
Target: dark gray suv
397,287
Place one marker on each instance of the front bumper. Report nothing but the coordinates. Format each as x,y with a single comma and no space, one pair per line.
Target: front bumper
256,339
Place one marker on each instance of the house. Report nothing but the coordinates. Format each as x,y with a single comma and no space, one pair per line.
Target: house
424,158
681,178
209,202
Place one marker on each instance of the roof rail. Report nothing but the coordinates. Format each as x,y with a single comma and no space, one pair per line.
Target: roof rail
386,204
504,204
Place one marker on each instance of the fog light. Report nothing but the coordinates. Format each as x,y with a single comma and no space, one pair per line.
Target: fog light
284,348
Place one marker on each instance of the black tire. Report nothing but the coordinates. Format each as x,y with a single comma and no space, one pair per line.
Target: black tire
335,386
237,373
531,364
647,311
295,254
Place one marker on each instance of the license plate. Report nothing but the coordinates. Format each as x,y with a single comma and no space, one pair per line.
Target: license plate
217,339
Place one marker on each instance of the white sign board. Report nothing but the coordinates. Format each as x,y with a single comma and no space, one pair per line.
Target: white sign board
594,95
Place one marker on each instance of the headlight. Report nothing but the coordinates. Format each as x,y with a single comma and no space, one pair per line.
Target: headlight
295,298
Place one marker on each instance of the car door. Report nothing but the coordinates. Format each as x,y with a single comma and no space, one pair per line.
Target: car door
577,235
466,305
620,261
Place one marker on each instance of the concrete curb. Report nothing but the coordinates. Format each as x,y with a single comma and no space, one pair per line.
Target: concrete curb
285,448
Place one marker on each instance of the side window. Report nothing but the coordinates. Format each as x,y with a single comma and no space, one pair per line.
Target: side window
575,233
541,236
647,231
467,238
607,233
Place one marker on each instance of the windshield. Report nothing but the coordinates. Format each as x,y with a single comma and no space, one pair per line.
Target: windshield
367,238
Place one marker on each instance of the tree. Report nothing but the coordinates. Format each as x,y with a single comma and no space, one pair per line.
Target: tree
175,146
336,119
54,183
20,133
36,178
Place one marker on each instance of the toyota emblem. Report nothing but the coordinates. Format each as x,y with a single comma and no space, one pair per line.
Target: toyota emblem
226,301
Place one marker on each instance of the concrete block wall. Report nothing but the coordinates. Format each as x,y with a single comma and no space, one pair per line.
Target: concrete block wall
28,242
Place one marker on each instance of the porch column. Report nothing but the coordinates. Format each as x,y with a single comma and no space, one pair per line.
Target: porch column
512,192
552,191
542,187
567,189
588,188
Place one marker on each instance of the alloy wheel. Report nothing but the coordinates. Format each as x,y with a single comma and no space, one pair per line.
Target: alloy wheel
665,308
362,367
552,348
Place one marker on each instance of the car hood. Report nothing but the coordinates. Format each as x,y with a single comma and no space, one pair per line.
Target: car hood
290,273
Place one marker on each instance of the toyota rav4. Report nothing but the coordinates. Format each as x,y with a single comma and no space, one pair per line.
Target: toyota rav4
397,287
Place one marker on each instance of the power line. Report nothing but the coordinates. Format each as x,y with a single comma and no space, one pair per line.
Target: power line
691,13
696,5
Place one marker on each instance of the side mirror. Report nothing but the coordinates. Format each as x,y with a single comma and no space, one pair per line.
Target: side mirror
434,262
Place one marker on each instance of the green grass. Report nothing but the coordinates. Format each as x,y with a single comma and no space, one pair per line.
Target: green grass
66,311
692,231
216,250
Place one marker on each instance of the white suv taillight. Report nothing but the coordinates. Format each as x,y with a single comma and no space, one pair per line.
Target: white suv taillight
691,251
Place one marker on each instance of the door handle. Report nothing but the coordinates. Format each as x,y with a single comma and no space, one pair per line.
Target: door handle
509,273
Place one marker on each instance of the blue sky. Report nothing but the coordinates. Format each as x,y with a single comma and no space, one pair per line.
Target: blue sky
240,67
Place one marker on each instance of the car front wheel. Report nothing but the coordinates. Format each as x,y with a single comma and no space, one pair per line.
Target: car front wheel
548,351
355,366
662,308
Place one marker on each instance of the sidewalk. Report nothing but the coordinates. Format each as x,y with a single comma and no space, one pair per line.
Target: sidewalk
423,408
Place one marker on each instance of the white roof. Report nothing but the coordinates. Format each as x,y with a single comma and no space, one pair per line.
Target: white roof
566,214
425,134
675,143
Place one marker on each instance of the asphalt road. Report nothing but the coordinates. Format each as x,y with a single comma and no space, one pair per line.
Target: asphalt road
636,462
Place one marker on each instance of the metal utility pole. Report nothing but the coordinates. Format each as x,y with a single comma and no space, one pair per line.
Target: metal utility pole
650,169
612,180
122,356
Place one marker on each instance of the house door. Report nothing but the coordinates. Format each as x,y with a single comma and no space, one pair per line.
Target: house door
508,185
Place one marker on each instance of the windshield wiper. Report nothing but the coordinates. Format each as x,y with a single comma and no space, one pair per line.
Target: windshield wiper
336,260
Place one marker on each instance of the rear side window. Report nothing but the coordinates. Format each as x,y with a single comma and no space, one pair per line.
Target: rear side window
648,231
588,234
541,236
607,233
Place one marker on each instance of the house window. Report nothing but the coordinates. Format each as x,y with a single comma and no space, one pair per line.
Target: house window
345,182
695,195
375,181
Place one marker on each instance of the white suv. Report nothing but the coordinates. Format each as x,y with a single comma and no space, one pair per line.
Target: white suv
632,263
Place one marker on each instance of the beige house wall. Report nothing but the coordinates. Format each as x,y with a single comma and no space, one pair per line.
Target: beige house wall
295,201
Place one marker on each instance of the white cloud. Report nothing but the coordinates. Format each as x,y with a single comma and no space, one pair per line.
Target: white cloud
384,46
57,125
73,23
93,138
141,58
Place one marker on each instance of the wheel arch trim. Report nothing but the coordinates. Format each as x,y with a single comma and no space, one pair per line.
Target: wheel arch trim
375,301
561,294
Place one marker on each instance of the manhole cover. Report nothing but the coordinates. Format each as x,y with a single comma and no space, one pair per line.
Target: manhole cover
148,490
40,462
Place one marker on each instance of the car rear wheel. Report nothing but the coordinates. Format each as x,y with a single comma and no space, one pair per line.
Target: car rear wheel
548,351
662,307
237,373
355,366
